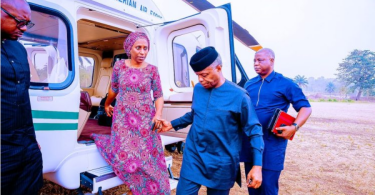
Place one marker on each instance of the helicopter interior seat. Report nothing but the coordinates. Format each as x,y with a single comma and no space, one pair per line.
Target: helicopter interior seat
103,81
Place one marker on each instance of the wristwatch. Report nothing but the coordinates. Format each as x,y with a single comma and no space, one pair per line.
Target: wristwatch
296,125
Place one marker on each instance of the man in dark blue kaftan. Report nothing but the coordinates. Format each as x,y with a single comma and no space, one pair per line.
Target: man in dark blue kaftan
221,111
21,159
269,91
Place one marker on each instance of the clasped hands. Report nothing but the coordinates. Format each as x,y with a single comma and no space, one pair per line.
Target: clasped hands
161,125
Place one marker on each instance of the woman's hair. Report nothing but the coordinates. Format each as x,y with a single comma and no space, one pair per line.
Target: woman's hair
132,38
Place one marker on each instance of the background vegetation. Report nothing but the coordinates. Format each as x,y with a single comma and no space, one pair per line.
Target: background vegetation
355,80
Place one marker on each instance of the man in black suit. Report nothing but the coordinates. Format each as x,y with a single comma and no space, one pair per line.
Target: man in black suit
21,159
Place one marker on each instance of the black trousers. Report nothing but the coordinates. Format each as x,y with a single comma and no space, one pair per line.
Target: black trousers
21,166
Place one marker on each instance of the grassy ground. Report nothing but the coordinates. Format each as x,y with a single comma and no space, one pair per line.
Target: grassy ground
334,153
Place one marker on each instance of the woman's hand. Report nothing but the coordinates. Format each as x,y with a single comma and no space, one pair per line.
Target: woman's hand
109,110
156,118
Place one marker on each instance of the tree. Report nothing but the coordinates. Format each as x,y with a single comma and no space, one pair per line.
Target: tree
301,81
358,70
370,92
343,91
330,88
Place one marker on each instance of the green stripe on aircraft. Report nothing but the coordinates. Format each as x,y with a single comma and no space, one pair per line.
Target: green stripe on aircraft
54,114
55,126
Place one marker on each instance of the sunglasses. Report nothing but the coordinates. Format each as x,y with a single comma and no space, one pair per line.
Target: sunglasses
20,23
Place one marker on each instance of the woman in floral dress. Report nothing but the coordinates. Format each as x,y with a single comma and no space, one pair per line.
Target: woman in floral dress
133,149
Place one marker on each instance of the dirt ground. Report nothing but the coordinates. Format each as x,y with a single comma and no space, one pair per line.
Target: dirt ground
333,153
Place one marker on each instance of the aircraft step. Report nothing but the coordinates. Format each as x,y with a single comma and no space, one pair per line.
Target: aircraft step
104,178
100,179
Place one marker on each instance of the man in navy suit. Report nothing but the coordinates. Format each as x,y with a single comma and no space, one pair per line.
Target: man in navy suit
21,159
268,91
221,111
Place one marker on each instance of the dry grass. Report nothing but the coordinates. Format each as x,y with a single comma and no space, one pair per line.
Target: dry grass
334,153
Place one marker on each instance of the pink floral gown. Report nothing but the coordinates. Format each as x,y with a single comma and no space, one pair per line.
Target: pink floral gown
134,151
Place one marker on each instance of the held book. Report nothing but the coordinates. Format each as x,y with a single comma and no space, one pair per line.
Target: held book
280,119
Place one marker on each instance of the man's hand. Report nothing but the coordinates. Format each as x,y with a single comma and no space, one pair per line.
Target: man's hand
287,131
254,178
162,125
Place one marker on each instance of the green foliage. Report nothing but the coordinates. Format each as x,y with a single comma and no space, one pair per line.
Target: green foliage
358,70
330,88
343,91
301,81
369,92
347,100
330,100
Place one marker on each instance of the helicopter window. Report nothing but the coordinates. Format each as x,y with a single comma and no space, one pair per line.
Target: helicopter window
185,46
47,45
86,71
